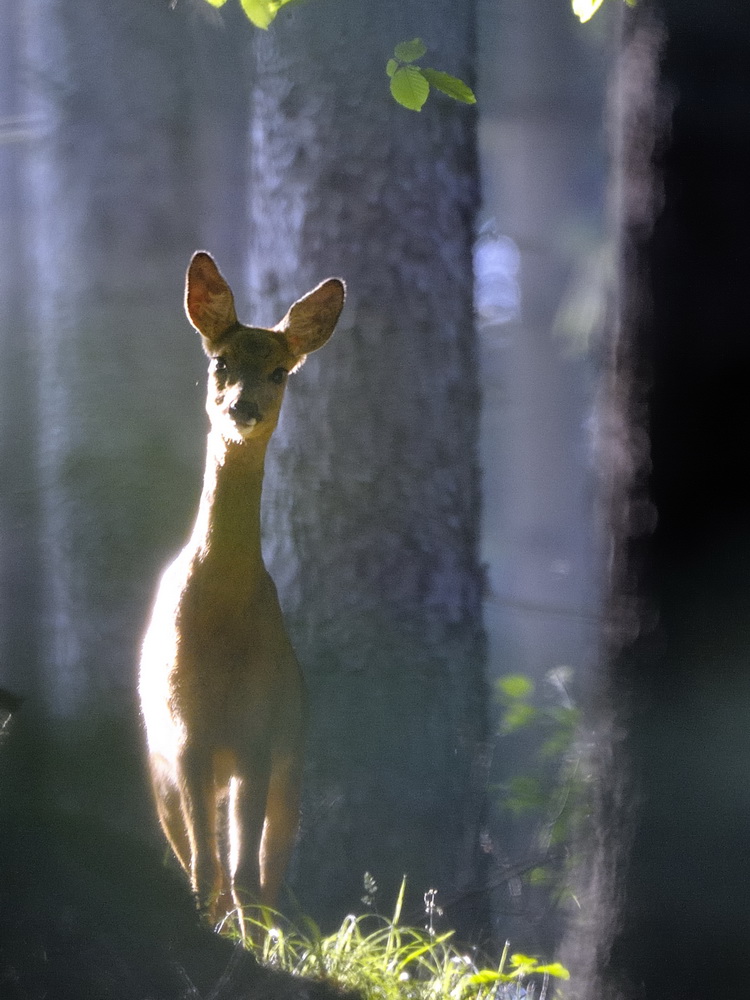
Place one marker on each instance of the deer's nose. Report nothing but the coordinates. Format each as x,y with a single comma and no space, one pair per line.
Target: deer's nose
244,411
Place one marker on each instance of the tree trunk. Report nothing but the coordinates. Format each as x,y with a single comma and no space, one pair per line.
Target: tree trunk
371,502
20,569
134,157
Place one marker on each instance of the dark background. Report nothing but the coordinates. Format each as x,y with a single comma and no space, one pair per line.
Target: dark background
686,916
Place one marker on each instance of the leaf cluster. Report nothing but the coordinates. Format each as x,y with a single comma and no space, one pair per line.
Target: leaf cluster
557,723
410,84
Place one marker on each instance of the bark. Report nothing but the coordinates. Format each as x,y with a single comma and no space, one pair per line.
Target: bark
371,504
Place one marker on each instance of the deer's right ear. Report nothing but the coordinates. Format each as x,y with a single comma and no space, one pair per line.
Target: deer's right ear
209,302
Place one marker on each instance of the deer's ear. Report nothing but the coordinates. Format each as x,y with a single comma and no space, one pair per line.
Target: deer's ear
311,320
209,302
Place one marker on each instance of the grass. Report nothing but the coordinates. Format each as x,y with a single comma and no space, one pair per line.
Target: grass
385,960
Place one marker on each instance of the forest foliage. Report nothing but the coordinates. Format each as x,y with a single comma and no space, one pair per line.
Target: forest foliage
410,83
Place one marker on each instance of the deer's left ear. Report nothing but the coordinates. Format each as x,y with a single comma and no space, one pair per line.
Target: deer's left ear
312,319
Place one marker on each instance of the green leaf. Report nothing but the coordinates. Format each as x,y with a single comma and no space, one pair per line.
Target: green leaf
260,12
525,794
391,66
488,976
523,964
555,746
554,969
540,876
409,87
449,85
517,716
516,686
407,52
216,3
584,10
564,716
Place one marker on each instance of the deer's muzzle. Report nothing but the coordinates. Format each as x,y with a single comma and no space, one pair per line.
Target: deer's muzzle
244,412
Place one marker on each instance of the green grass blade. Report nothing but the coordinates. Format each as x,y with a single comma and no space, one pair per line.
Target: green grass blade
399,902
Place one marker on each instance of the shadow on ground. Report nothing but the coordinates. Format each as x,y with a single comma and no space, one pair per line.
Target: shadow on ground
87,913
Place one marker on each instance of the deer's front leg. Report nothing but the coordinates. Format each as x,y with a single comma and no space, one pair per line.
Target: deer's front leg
169,808
199,802
282,821
247,816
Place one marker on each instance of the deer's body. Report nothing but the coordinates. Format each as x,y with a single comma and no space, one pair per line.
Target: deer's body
221,691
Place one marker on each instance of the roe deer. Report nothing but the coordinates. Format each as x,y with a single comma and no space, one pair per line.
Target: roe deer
222,695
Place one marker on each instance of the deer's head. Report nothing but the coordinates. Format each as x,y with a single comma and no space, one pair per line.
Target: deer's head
249,365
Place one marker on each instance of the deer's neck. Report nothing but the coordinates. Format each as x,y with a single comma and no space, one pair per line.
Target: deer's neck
227,529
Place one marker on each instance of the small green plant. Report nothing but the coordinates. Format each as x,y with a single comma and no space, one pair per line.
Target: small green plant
386,960
410,84
553,789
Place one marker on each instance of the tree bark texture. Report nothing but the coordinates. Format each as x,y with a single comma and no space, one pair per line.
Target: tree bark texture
372,491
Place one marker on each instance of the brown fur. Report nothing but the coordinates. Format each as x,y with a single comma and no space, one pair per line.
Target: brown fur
222,695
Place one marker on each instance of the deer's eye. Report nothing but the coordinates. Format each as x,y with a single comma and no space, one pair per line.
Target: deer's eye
219,364
278,375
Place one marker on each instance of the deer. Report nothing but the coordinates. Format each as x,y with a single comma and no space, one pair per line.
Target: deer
222,695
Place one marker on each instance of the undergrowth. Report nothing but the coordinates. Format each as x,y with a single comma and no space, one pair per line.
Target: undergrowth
385,960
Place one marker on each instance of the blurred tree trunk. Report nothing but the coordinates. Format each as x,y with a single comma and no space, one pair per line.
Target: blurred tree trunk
20,570
372,495
135,160
137,157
